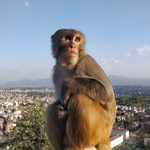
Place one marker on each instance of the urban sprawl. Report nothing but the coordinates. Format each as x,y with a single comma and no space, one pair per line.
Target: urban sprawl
126,128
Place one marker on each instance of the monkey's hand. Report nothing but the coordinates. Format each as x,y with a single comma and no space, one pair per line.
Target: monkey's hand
60,112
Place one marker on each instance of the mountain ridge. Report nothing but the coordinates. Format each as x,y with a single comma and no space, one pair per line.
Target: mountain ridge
115,80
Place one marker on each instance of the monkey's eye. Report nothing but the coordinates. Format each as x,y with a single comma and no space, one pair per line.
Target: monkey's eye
77,39
67,37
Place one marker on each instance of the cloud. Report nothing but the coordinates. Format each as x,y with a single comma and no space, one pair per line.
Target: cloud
138,71
109,64
145,50
26,4
127,54
111,60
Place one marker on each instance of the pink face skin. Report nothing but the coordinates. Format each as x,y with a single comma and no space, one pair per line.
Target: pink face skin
69,52
72,43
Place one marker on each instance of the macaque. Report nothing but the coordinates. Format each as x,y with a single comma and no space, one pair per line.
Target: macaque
83,114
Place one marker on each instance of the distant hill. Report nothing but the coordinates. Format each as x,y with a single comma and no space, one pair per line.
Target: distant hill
115,80
29,83
119,80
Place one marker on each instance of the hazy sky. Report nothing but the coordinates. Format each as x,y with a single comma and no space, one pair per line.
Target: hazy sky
117,35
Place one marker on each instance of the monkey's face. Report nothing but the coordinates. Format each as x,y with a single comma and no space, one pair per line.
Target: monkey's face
68,43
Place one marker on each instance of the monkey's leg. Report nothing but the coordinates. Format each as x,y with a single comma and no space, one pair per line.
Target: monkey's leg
55,129
88,124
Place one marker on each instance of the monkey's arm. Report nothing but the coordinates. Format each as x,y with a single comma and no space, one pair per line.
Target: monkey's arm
84,85
100,83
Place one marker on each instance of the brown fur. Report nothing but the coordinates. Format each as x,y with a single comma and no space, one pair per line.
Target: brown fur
83,115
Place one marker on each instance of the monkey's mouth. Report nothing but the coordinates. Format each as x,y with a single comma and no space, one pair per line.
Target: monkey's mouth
72,54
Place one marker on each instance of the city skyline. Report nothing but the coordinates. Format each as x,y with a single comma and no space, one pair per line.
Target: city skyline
117,35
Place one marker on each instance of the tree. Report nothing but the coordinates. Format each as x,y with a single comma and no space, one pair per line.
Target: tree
29,133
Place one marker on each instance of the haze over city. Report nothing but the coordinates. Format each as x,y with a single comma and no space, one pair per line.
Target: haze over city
117,35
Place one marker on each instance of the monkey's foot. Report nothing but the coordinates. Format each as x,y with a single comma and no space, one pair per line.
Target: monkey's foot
60,112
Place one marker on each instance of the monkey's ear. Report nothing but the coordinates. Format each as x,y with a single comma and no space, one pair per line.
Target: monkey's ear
55,40
54,47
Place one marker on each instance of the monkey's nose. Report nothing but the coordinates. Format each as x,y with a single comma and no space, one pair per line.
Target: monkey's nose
72,46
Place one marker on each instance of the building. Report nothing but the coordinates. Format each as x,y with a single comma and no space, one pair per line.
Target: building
135,125
1,123
116,140
146,141
145,125
120,131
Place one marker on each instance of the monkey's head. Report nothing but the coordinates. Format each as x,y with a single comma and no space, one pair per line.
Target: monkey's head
68,45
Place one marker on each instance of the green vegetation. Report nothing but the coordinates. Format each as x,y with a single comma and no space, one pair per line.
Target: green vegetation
134,100
29,133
